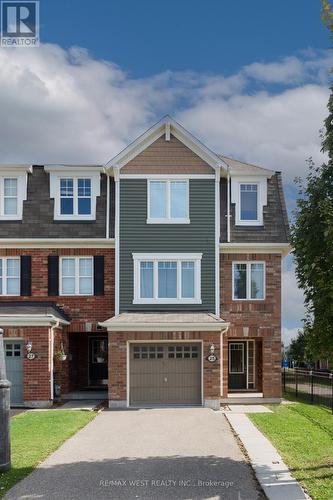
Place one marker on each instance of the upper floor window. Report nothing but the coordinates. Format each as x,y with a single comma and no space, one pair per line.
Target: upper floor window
75,196
167,279
10,276
75,191
76,276
13,191
248,280
249,194
168,202
248,202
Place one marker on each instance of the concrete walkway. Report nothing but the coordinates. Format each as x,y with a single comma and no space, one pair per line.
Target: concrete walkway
271,471
183,453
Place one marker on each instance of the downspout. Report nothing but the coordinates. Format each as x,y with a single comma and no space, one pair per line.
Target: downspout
51,358
228,204
107,229
116,238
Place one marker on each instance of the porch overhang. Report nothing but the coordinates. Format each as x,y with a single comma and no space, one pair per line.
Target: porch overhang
18,313
165,322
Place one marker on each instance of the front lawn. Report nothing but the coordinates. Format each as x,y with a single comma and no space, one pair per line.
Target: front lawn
34,435
303,435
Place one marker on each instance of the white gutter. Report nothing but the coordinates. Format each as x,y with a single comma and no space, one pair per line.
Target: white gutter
56,243
228,204
31,320
278,248
164,327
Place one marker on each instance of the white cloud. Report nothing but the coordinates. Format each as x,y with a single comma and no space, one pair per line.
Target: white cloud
288,334
65,106
58,106
292,298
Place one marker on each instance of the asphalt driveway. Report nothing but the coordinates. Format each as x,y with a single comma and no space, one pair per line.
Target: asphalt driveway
183,453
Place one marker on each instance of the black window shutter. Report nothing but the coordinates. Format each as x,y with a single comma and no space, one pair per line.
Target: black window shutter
26,275
53,274
98,275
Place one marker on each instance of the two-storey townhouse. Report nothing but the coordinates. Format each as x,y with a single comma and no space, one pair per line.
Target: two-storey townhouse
158,275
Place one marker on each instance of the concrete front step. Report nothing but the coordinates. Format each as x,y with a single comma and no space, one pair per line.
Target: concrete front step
89,395
249,401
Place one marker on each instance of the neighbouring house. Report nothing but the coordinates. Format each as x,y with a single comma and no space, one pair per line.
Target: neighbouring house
155,277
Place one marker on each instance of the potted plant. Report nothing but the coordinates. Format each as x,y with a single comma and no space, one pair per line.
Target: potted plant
61,355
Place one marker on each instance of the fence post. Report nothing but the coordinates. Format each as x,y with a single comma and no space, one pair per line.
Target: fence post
296,383
311,381
284,379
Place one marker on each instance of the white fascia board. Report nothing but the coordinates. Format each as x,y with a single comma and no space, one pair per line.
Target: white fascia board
166,256
74,169
10,168
282,248
251,172
56,243
31,320
163,327
156,131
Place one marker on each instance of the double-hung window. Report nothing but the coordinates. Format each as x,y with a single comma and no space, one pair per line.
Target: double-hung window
76,276
10,276
167,278
10,200
248,280
75,196
248,202
168,201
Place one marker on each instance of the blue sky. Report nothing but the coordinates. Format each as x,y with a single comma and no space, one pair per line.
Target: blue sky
219,36
248,78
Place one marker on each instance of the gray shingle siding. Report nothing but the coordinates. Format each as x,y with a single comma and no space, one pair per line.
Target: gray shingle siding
138,236
275,228
38,213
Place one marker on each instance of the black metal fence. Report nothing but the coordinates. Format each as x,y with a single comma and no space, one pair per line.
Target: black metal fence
308,386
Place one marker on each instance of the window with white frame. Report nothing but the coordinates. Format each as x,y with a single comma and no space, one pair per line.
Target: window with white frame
76,276
75,196
248,280
249,194
10,276
248,197
12,193
168,201
74,191
167,278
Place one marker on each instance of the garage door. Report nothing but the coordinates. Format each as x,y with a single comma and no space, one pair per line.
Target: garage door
165,374
14,368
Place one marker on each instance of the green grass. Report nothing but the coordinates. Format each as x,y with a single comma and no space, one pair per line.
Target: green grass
34,435
303,434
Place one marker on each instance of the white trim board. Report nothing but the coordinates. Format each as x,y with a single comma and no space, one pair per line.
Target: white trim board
165,126
31,320
250,248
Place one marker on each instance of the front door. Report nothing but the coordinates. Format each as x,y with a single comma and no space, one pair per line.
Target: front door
98,361
237,365
14,369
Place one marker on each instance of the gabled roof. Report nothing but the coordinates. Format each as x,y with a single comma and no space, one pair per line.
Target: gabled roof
167,126
242,168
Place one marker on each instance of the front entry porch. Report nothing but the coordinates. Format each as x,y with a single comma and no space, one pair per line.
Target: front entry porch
84,374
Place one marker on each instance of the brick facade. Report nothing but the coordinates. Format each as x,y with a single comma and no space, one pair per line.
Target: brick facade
118,342
81,309
257,320
36,372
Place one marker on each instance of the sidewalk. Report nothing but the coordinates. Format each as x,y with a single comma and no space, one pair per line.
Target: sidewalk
271,471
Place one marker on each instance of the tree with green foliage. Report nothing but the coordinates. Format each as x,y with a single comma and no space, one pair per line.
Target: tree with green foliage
297,350
312,238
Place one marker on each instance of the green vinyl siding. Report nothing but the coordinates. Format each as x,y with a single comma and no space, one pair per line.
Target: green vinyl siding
138,236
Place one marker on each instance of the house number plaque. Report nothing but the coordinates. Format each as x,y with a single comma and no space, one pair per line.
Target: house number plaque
212,358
